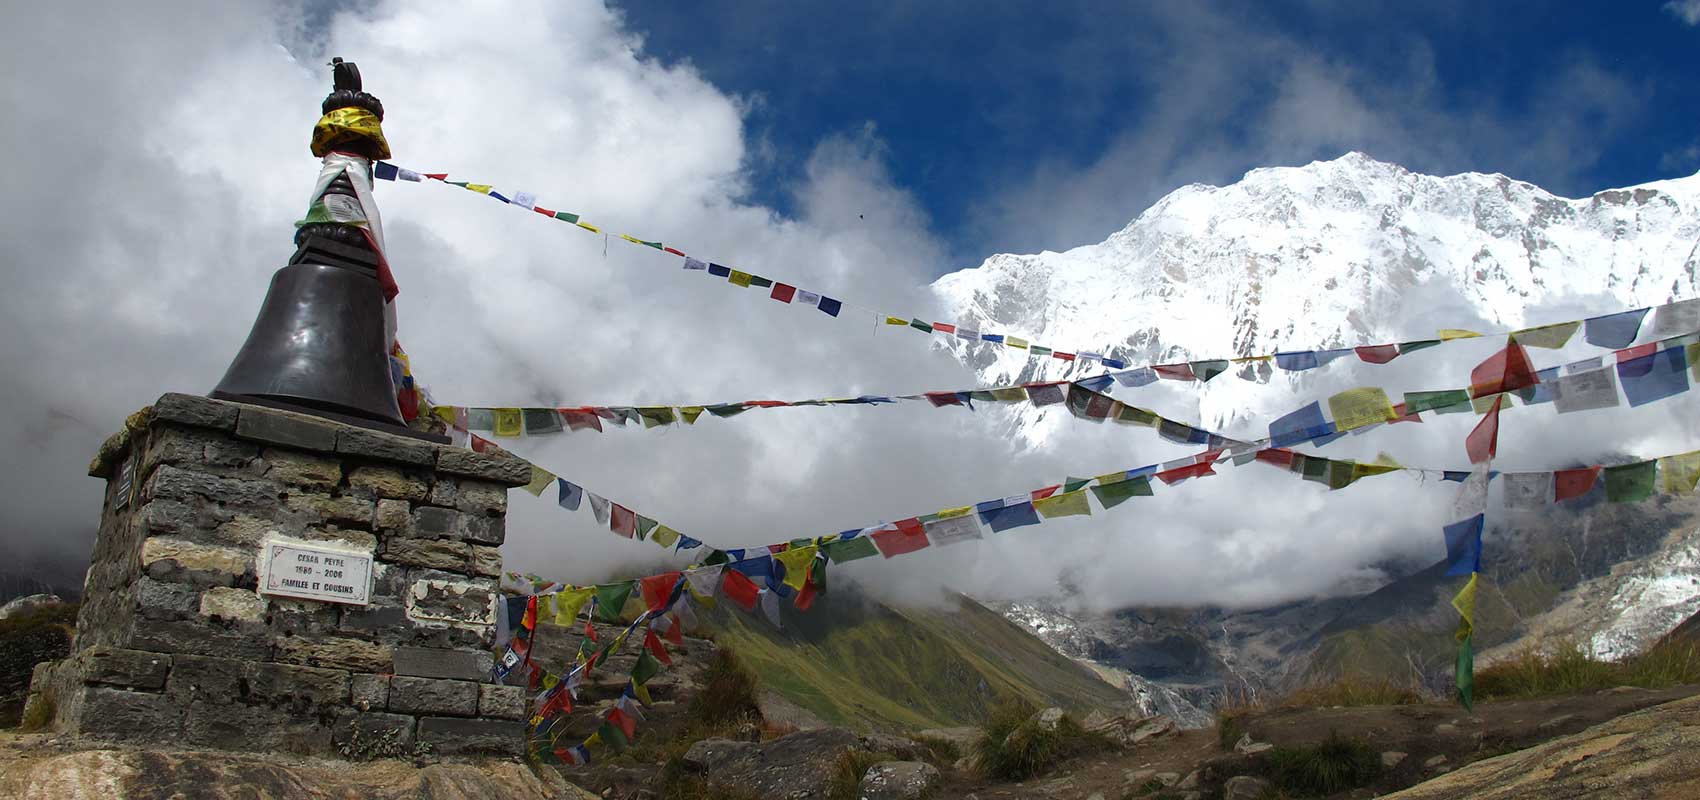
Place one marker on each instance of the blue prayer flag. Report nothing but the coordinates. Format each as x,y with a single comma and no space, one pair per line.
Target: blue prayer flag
989,505
1464,546
1016,516
1140,472
384,171
1097,383
724,272
1654,377
1456,476
1325,356
1540,392
992,337
758,567
1615,330
829,305
686,543
571,494
1114,363
1137,377
1298,360
1304,425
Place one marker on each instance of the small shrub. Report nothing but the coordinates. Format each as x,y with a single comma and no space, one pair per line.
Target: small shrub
1336,764
1355,692
845,782
1567,668
676,783
387,744
1012,750
728,693
43,634
941,752
1230,713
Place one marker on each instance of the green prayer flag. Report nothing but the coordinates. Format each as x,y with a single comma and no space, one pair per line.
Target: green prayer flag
647,667
1420,344
920,326
1072,483
1341,474
1630,483
757,280
1466,669
611,598
1315,468
613,736
1137,416
850,550
1449,400
1111,495
644,526
1039,350
817,572
1205,370
725,410
566,216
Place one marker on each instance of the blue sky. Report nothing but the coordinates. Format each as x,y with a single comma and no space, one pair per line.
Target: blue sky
1022,126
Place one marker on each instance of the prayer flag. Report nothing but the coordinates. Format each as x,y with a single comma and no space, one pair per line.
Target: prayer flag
770,607
1454,399
1585,391
1065,504
1205,370
1180,433
1527,491
944,327
691,263
1009,516
658,589
797,561
644,526
1551,337
896,321
1630,483
1296,360
829,306
1465,668
541,420
508,422
850,549
1464,546
1483,440
653,644
623,521
525,200
702,581
1615,330
611,599
783,292
567,216
1174,372
1136,416
1044,394
540,480
1681,472
1378,353
571,494
1505,371
1448,334
1571,483
569,602
760,282
951,530
1672,319
647,667
920,326
907,537
1114,494
598,507
737,278
580,419
719,271
807,298
1655,376
664,536
1011,341
1357,408
939,399
1276,456
740,589
1541,392
1420,344
1010,395
1303,425
1135,378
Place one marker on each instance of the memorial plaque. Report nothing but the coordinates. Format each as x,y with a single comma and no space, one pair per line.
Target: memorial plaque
315,571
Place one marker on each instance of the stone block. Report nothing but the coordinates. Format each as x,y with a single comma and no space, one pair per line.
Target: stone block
389,582
350,511
300,690
193,447
194,487
110,713
501,702
233,605
385,447
105,461
467,737
119,667
468,494
429,662
296,468
443,554
373,620
456,602
159,600
433,696
209,723
176,560
369,692
308,618
432,522
374,734
333,651
501,468
207,679
393,515
198,412
272,426
485,561
195,638
389,482
343,537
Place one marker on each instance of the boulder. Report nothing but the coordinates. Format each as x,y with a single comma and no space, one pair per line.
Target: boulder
1246,747
1127,729
797,765
906,749
1391,759
20,606
1151,728
1048,719
898,780
1244,787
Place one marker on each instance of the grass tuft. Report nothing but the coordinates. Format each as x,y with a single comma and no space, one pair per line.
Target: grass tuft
1012,750
1568,669
845,783
43,634
1336,764
1355,692
729,693
941,752
677,783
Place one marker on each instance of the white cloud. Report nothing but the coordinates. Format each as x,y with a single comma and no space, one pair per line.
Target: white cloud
1686,10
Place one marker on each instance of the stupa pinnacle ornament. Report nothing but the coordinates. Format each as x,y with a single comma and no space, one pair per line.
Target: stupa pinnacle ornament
325,333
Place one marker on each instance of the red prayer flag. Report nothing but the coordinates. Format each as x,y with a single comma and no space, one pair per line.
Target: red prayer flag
482,445
765,403
944,327
940,399
1505,371
1062,355
674,252
909,537
1174,476
657,589
544,211
590,631
1568,483
1378,353
1483,442
442,176
783,292
623,521
740,589
676,631
1040,494
529,620
1401,415
1175,372
561,702
579,419
806,597
1277,456
1638,351
623,721
652,643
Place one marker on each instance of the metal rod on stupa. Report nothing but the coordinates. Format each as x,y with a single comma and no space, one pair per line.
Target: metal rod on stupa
322,341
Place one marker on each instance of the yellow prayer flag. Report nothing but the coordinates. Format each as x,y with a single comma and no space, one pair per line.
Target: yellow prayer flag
664,536
959,511
444,413
1465,602
690,413
1482,405
739,279
569,602
481,188
540,480
1010,395
1019,344
1448,334
508,421
631,239
642,693
589,227
797,561
1113,477
1250,358
1066,504
896,321
1694,361
1681,472
1356,408
1551,337
1366,470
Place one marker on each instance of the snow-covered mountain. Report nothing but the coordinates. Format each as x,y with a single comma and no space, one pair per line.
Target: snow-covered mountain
1334,253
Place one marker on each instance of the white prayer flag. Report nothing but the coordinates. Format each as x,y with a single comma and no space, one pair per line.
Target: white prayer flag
408,175
525,200
1676,318
1585,391
598,506
1526,491
953,530
806,298
691,263
1473,494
